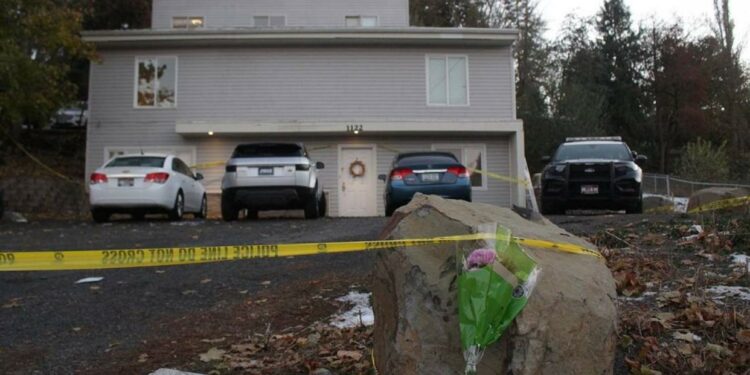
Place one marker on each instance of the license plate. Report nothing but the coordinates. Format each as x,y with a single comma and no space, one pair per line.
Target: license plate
265,171
430,177
124,182
590,189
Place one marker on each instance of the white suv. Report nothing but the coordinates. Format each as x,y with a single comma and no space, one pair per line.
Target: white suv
269,176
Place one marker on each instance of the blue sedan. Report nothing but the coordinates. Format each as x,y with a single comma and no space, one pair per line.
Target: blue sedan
436,173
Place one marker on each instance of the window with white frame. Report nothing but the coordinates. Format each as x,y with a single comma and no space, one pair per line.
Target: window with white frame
447,80
187,22
156,82
269,21
361,21
473,156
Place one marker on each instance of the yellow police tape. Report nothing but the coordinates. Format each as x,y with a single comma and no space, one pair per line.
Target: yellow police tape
513,180
721,204
169,256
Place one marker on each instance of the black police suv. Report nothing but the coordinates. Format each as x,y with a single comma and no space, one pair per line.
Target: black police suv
592,173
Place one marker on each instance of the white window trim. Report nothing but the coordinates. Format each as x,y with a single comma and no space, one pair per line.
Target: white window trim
188,17
463,147
447,83
269,19
377,20
135,82
136,150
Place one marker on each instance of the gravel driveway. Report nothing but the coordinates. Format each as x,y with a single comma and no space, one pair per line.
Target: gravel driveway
49,324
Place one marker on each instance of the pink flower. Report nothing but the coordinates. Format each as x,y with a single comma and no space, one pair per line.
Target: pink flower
480,258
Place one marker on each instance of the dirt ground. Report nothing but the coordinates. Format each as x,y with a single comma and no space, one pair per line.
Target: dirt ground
680,301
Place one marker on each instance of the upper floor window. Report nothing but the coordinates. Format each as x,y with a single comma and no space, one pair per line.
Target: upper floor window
187,22
361,21
447,80
269,21
156,82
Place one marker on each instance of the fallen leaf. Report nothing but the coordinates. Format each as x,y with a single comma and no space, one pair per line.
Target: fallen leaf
351,354
13,304
214,341
94,287
685,348
205,281
266,283
142,358
743,336
718,350
212,354
76,329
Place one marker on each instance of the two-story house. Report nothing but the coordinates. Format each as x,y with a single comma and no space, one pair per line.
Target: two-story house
349,78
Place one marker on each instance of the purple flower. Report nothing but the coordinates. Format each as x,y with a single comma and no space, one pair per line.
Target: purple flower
480,258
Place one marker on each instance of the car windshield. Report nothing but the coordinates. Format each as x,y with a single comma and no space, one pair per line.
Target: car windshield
605,151
424,160
138,161
262,150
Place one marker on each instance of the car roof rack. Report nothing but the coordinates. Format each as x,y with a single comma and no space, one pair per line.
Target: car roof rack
584,139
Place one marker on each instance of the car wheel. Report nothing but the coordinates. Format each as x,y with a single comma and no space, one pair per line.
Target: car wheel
549,208
251,214
323,206
389,209
228,211
312,209
179,207
99,215
635,208
203,213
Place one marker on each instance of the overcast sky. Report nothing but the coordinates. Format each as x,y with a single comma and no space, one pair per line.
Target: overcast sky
694,13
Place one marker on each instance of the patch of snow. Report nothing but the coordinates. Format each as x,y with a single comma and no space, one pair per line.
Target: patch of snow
723,291
86,280
741,260
360,314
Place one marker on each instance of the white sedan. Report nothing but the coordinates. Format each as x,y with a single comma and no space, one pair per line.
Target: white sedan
142,184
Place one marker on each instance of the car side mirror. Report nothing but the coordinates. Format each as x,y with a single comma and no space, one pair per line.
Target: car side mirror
198,176
382,177
320,165
641,159
546,159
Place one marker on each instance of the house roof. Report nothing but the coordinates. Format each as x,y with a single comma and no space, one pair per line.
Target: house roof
409,36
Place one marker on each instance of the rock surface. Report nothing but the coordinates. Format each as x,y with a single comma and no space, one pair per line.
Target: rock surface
705,196
568,326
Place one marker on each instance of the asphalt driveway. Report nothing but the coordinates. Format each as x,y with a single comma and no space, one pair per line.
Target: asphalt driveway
50,324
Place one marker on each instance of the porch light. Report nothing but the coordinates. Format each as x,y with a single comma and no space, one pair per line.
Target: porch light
210,132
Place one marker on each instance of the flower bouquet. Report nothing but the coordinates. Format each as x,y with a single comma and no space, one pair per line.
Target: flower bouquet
493,287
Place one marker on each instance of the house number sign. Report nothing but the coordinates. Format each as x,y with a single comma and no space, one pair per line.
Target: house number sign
354,128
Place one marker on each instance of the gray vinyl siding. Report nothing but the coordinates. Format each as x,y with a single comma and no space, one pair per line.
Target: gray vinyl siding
299,13
286,84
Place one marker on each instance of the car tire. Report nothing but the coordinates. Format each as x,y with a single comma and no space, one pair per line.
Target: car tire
323,206
549,208
389,209
312,209
203,212
179,207
635,208
99,215
228,211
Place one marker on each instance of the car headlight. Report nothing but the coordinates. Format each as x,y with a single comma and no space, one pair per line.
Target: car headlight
556,170
628,170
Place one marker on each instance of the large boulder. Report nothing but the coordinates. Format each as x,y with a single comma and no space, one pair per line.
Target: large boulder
568,326
705,196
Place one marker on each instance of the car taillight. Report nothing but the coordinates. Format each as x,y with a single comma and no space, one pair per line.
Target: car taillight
400,173
158,177
231,168
302,167
459,171
98,178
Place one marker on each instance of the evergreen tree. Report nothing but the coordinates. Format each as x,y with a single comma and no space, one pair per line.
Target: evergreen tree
619,49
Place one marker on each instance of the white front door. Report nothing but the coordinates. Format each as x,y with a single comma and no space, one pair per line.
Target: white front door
357,181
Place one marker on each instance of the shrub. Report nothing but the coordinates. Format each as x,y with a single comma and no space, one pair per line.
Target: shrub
703,161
